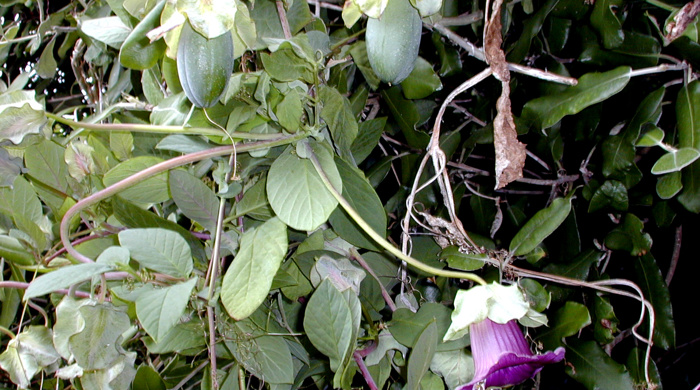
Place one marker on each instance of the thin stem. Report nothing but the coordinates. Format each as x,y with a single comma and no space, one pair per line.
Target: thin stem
365,372
24,285
155,128
190,375
152,171
463,19
662,5
283,19
675,256
212,347
387,298
657,69
378,238
8,332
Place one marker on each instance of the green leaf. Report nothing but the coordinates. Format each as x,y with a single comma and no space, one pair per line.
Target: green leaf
540,226
275,360
188,335
407,326
63,278
97,345
27,354
362,197
421,355
618,160
652,283
18,122
422,81
46,66
247,281
636,364
688,117
594,369
675,161
669,185
46,164
148,379
10,168
196,201
152,190
464,261
159,249
209,18
109,30
653,137
531,28
358,51
456,367
604,19
567,321
367,138
629,236
337,113
592,88
295,190
286,65
137,51
160,309
328,323
12,250
20,200
606,322
406,114
612,193
537,296
289,111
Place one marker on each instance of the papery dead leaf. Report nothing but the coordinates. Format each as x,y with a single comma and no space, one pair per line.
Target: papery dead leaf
683,18
510,153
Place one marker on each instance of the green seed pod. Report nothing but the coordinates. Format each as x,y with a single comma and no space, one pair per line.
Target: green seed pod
204,65
393,41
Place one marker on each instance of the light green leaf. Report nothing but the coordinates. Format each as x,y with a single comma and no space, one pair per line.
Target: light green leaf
337,113
566,322
118,376
63,278
46,164
137,51
372,8
247,281
422,81
197,201
182,336
670,185
173,110
159,249
407,326
160,309
295,190
328,323
421,356
594,369
109,30
653,137
183,143
46,66
427,7
122,144
675,161
28,353
456,367
20,200
540,226
592,88
97,345
79,157
148,379
275,360
68,322
386,343
464,261
289,111
363,198
12,250
151,190
210,18
18,122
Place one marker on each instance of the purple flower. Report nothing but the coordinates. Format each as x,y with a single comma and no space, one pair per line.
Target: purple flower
502,357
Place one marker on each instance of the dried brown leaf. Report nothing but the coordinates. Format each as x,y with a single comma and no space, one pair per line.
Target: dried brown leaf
683,18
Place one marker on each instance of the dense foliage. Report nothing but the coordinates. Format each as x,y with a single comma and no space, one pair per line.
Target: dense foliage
237,194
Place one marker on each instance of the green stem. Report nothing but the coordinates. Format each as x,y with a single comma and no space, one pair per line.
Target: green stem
154,170
156,129
662,5
379,239
346,40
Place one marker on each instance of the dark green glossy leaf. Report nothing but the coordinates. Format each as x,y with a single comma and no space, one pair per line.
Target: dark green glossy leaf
618,160
406,115
688,117
338,115
367,138
612,193
362,197
450,62
359,56
540,226
651,282
531,27
537,296
605,20
407,326
594,369
137,52
592,88
606,322
463,261
636,363
629,236
422,81
566,322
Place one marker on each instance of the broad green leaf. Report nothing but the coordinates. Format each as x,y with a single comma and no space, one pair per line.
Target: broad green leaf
406,114
118,376
122,144
173,110
97,345
422,81
668,186
647,114
247,281
28,353
618,160
385,345
612,193
20,200
636,364
68,322
137,52
183,143
421,355
109,30
266,27
456,367
188,335
592,88
328,323
275,360
209,18
342,273
359,56
148,379
79,157
286,65
160,309
654,287
367,138
629,236
254,203
450,61
688,117
159,249
540,226
14,252
18,122
653,137
594,369
46,66
64,277
605,325
567,321
10,168
338,115
289,111
606,22
531,28
407,326
464,261
675,161
362,197
537,296
151,190
197,201
46,164
295,190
